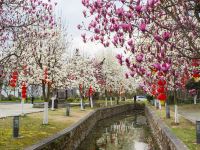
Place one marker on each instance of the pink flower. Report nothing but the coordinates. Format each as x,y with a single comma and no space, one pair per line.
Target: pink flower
79,26
96,30
126,75
119,57
165,67
139,58
96,37
166,36
142,27
193,91
116,27
85,2
157,66
132,74
120,11
84,13
128,64
126,27
157,37
130,42
138,8
151,3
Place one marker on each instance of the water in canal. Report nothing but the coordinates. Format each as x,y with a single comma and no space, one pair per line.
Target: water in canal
123,132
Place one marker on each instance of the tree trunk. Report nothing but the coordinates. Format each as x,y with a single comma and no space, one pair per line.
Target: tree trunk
117,100
111,103
91,102
106,99
195,99
22,107
167,106
176,109
82,103
160,106
167,109
43,90
52,104
46,95
45,117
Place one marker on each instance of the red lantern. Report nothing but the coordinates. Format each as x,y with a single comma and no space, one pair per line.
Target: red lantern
153,92
161,82
45,74
195,62
196,75
161,89
162,97
90,91
12,83
13,80
24,90
153,86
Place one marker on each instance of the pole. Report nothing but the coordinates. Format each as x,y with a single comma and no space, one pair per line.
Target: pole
52,104
111,101
22,107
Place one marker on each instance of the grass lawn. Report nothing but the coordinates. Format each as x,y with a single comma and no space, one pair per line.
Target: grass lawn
185,131
189,107
32,130
18,101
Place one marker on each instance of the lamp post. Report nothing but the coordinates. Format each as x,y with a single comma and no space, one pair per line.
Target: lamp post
16,126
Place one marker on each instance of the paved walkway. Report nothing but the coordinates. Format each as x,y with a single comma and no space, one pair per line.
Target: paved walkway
7,109
191,113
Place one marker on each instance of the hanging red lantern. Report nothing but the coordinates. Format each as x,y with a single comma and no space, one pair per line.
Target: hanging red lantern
196,75
13,80
162,97
195,62
161,82
154,92
12,83
24,90
153,86
90,91
161,89
45,73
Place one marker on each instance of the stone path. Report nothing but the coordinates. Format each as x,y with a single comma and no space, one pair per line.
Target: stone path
7,109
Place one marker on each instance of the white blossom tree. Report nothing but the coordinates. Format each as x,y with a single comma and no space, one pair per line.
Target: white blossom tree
80,72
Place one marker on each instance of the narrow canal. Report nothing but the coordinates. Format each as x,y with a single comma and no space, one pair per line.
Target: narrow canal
123,132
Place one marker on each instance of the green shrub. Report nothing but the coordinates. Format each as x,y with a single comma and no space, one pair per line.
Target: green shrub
149,97
12,98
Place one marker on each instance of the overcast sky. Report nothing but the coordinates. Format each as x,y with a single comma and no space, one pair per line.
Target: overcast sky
71,13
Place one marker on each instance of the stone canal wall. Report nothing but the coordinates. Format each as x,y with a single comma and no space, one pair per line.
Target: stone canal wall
71,137
162,134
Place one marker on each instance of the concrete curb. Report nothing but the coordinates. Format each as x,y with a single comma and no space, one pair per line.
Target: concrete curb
162,133
70,138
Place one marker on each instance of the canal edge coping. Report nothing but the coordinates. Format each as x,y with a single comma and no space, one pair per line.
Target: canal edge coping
162,133
71,137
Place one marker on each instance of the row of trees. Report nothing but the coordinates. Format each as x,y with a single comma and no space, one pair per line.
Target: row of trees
160,39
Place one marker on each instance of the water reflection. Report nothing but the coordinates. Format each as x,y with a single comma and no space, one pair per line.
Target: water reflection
124,132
